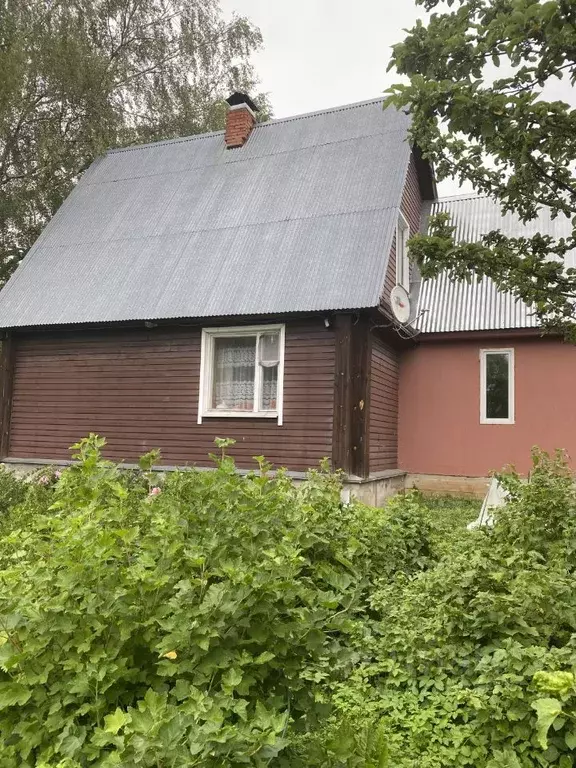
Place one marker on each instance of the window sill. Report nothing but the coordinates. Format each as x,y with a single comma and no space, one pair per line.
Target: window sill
240,414
495,422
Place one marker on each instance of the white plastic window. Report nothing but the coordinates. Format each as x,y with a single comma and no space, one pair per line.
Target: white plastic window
497,386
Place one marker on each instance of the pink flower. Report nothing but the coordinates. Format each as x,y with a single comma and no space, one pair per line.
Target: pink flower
44,480
155,491
57,474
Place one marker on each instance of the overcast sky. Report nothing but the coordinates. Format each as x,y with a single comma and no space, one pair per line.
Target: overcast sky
323,53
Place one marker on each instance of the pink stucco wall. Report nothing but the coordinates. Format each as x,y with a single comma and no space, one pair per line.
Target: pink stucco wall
439,416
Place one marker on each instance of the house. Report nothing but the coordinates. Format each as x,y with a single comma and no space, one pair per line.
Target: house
231,284
238,284
482,385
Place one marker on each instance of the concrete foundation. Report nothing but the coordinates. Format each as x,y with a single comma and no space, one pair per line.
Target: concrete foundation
374,490
449,485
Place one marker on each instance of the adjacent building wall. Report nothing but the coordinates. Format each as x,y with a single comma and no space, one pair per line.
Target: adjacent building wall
139,389
440,431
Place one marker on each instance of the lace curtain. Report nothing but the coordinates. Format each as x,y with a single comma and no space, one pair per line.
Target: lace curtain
234,370
269,387
236,367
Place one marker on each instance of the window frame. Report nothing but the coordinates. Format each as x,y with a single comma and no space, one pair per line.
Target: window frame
207,372
402,260
509,351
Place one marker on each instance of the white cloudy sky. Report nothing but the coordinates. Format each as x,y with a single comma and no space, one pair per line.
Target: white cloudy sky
322,53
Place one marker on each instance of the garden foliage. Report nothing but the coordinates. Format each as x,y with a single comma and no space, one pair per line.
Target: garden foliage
189,624
213,619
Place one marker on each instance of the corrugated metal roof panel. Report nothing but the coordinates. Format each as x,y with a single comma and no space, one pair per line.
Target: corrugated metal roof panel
301,218
474,216
446,305
281,266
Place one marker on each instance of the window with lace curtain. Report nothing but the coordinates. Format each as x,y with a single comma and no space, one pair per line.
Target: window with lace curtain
242,372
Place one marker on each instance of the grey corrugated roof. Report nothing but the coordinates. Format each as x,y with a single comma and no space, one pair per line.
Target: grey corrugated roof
447,305
301,218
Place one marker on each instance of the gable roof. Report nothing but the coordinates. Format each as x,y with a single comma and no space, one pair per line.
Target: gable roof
446,305
300,218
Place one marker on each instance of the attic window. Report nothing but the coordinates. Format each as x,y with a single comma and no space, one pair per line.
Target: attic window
242,372
402,261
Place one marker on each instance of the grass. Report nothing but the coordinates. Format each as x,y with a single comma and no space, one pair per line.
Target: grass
449,517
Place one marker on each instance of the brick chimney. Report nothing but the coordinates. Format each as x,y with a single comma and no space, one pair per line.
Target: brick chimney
240,120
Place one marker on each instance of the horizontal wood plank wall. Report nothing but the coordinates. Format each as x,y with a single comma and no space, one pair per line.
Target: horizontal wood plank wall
412,210
139,389
383,432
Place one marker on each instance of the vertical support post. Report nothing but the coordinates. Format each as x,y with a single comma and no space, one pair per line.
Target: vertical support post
360,397
6,385
341,419
350,443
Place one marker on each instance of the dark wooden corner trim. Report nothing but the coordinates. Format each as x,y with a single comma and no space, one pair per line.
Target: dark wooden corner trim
350,443
6,383
425,172
340,424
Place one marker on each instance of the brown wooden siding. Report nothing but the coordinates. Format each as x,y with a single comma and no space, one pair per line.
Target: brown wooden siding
139,389
412,210
383,429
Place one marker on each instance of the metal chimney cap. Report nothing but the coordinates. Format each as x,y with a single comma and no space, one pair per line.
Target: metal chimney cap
237,98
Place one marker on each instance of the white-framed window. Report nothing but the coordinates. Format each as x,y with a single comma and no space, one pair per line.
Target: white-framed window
242,372
497,386
402,260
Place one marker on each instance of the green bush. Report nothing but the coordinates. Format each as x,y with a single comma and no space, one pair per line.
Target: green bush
198,619
209,619
465,655
12,491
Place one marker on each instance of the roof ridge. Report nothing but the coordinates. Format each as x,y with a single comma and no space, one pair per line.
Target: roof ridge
266,124
466,196
163,142
304,115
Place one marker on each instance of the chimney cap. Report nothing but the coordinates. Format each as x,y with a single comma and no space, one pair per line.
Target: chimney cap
238,98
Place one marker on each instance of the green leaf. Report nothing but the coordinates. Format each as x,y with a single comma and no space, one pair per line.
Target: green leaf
570,739
232,678
113,723
547,711
13,693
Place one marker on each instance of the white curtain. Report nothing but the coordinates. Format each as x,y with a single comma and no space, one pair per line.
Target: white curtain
269,360
269,388
234,369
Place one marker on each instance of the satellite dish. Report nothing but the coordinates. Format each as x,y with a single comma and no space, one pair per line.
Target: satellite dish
400,302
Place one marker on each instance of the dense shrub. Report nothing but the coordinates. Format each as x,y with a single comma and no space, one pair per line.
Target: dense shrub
12,491
193,620
473,660
209,619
